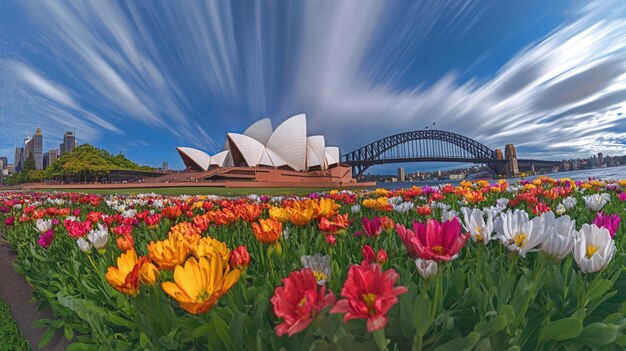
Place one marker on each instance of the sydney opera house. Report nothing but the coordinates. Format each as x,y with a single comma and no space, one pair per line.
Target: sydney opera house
261,153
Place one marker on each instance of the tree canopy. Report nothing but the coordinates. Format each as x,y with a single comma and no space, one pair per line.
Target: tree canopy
86,162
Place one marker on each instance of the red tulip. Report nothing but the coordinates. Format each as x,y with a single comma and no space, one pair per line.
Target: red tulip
368,293
433,241
381,256
77,229
331,240
368,253
240,258
299,301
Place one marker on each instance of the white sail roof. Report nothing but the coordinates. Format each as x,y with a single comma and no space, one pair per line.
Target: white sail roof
289,142
316,144
250,148
260,130
332,155
200,158
219,158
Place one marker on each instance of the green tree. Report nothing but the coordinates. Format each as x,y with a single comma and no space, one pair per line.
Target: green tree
29,163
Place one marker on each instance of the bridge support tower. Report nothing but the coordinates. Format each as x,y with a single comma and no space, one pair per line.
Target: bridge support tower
510,155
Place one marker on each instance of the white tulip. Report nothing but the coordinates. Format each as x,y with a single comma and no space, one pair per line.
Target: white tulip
448,215
502,202
593,249
355,209
561,235
569,202
83,245
43,225
595,202
404,207
426,268
521,234
99,237
474,223
320,265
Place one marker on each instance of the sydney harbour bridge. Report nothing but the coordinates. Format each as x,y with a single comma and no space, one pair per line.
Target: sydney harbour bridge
437,145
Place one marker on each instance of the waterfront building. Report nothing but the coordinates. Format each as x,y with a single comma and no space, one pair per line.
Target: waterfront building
165,166
401,175
261,153
4,161
600,159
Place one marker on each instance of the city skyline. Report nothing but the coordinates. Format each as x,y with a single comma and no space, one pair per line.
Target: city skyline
547,77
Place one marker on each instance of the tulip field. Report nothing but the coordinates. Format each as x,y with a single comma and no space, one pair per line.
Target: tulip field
531,265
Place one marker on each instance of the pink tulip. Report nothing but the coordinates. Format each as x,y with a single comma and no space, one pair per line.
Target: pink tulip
610,222
433,240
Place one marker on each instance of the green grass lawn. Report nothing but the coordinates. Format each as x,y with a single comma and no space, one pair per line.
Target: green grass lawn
199,191
10,337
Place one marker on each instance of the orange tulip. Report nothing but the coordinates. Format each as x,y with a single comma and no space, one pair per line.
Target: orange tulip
168,253
130,272
268,230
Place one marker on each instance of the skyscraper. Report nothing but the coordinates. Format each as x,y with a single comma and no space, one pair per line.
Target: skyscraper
4,161
49,157
34,145
69,143
600,159
18,161
401,175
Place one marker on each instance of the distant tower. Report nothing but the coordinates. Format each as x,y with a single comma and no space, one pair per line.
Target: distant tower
166,166
511,156
600,159
401,175
499,154
69,142
34,145
18,161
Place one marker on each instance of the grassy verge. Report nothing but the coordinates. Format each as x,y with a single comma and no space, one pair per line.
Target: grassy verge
10,337
198,191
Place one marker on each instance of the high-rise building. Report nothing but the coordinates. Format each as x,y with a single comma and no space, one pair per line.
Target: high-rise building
49,157
166,166
34,145
18,160
4,161
600,159
401,175
68,144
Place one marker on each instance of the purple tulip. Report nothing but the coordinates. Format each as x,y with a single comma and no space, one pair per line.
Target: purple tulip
55,221
622,197
610,222
371,227
578,183
9,221
45,240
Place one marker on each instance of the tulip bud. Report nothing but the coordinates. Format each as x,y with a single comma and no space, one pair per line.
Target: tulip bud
381,256
426,268
331,240
125,243
240,258
84,245
368,253
76,212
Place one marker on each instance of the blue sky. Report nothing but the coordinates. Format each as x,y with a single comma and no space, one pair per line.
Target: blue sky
144,77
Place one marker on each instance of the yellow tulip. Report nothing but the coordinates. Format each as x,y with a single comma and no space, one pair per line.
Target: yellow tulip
280,214
168,253
208,246
198,285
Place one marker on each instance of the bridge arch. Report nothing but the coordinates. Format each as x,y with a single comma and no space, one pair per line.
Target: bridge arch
421,145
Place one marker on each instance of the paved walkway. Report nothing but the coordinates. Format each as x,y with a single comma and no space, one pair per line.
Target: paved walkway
17,293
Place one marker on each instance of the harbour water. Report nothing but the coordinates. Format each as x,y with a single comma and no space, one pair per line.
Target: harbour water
608,173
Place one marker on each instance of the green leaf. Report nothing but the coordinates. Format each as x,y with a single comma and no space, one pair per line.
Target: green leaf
423,315
46,338
563,329
598,334
598,288
461,344
81,346
491,327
